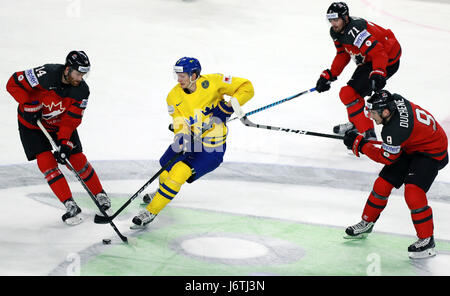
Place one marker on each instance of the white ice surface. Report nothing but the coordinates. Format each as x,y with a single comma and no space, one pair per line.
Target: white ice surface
281,46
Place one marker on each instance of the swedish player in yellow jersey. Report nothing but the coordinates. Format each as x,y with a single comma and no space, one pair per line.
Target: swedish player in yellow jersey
199,113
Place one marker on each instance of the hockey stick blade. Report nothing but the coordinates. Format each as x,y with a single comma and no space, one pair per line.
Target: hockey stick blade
91,195
107,219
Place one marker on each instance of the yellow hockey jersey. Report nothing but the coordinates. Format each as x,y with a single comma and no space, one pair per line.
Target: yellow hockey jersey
192,112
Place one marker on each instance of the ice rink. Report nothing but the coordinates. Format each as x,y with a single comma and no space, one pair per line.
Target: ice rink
280,202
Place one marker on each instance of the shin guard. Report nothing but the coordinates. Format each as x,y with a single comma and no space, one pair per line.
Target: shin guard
377,200
421,213
86,172
177,176
55,179
355,105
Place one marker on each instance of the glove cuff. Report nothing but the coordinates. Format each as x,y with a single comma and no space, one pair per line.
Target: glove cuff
225,108
31,108
380,72
66,143
328,75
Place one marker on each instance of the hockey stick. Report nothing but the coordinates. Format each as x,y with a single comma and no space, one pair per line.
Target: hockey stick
243,118
91,195
265,107
275,103
105,219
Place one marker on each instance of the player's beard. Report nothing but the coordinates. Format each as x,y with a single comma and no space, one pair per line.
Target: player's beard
73,81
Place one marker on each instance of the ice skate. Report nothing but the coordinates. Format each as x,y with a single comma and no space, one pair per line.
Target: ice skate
104,202
142,220
360,230
72,215
423,248
147,198
341,129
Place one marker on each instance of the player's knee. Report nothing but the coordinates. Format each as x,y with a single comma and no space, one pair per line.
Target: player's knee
180,172
415,196
348,95
382,187
46,161
78,161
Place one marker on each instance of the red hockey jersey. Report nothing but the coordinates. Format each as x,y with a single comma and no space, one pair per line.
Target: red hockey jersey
411,129
62,104
364,42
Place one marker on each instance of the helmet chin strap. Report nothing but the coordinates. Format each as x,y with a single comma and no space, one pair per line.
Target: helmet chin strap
191,82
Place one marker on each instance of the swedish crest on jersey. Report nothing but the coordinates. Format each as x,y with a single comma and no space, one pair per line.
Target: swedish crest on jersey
205,84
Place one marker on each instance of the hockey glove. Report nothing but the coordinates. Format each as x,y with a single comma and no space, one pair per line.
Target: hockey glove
354,141
324,82
65,150
32,112
221,112
377,80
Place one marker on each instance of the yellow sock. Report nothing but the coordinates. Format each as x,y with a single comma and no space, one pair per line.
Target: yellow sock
171,185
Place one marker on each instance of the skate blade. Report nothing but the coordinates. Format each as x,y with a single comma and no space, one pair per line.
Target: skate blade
74,220
138,227
356,237
422,255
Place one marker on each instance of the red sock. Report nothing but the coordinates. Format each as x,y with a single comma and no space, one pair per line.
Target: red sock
58,183
421,213
377,200
86,172
355,105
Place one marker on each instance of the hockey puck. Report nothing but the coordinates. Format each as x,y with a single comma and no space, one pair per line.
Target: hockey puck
106,241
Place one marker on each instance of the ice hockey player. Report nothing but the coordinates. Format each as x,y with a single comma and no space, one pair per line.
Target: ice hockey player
57,95
199,113
375,51
414,149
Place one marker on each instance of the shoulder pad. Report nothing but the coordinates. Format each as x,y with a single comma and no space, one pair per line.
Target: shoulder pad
47,75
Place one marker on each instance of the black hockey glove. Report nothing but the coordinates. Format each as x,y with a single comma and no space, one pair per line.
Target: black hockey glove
377,80
65,150
354,141
324,82
32,112
221,112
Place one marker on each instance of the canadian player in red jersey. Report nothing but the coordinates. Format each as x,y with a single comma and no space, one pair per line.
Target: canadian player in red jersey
375,51
57,95
414,149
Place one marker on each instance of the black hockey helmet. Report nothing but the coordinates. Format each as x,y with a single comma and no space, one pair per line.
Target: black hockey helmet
337,10
78,60
381,100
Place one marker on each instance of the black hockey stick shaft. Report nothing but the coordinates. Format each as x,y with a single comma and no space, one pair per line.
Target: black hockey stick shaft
91,195
243,118
247,122
105,219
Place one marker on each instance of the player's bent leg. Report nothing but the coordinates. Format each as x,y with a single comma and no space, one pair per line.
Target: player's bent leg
422,218
375,204
148,197
90,178
58,184
176,177
355,105
49,167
